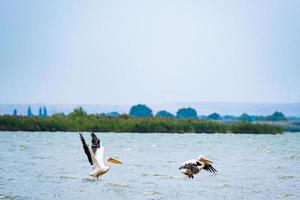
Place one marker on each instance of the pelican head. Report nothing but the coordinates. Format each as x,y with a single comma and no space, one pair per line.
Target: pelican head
114,161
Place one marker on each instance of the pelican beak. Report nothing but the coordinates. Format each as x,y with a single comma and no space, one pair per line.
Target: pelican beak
114,161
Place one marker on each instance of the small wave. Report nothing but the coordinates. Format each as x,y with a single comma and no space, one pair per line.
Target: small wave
23,147
225,185
290,157
40,157
171,161
151,193
88,180
68,177
7,196
117,186
256,191
165,176
282,195
149,183
158,175
285,177
174,177
136,165
268,151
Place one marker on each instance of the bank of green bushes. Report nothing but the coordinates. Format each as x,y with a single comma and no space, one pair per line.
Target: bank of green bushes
125,123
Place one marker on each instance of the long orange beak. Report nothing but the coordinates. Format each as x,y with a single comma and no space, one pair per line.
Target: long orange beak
114,161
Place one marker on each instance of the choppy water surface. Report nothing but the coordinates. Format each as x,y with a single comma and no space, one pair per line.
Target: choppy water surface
44,165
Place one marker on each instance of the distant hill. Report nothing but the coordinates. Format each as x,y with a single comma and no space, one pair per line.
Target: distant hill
203,108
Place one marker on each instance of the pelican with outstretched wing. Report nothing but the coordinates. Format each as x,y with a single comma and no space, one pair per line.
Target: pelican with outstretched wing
194,166
95,157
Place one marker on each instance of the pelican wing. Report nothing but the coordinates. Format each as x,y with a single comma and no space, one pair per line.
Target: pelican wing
95,143
98,150
208,165
89,153
87,150
191,166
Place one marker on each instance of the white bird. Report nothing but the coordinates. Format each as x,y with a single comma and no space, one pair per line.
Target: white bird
95,157
194,166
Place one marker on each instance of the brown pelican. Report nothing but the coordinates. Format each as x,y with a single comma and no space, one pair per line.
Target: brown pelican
95,157
194,166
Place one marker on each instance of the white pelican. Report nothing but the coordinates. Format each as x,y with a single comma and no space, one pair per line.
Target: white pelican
194,166
95,157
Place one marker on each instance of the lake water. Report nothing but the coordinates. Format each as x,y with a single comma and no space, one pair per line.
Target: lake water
43,165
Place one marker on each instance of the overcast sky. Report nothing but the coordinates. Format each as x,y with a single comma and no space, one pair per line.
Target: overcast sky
149,51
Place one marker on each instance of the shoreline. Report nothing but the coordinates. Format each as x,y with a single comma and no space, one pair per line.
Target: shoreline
149,133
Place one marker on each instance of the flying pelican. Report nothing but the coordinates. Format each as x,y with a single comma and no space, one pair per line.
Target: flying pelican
95,157
194,166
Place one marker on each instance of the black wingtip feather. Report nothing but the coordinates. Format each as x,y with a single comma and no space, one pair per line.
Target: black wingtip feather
210,168
213,169
95,142
86,149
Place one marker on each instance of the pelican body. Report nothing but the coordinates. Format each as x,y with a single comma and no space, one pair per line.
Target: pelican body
194,166
95,157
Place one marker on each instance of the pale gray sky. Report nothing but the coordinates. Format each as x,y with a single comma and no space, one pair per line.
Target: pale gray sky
142,51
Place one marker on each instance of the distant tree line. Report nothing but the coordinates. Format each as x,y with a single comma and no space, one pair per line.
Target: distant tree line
79,120
143,111
276,116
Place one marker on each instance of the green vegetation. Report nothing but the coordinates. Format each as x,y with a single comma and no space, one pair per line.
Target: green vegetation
79,120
